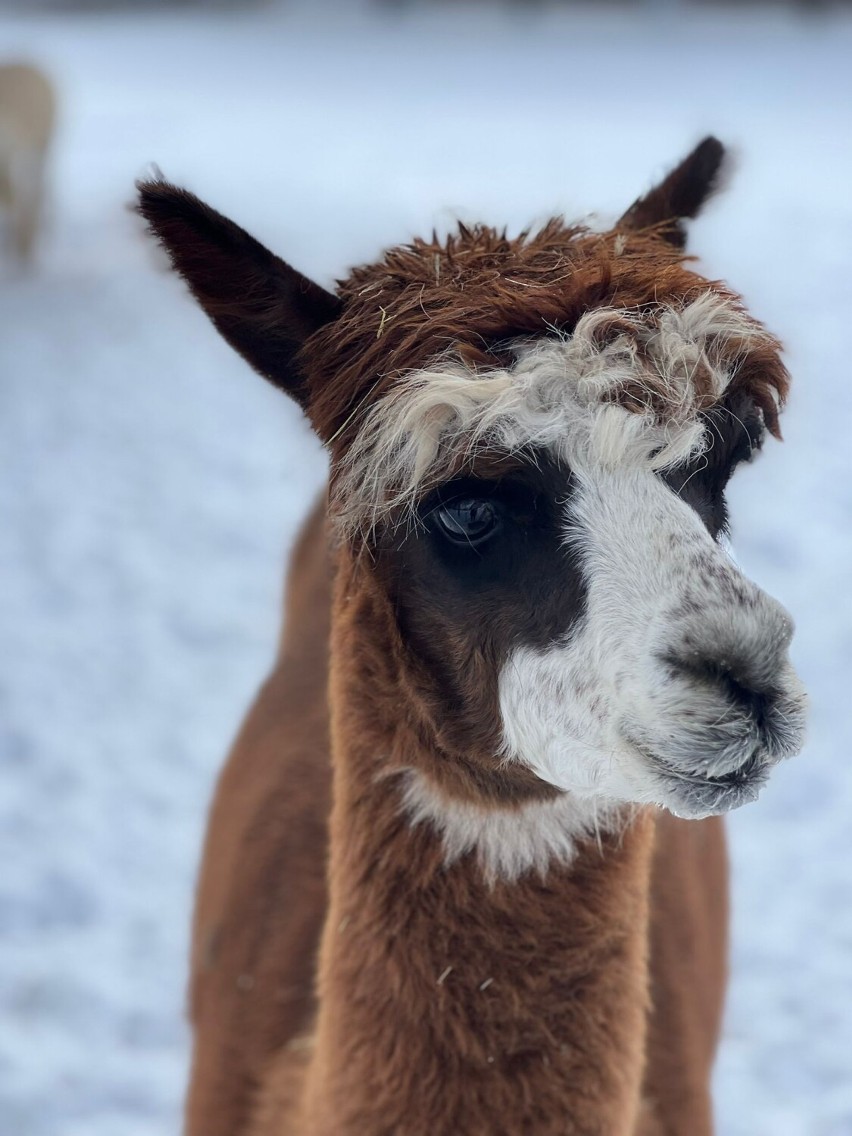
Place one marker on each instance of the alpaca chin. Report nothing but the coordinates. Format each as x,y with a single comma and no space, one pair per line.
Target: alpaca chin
692,797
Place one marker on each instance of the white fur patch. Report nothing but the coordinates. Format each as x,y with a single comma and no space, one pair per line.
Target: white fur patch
560,394
508,842
625,708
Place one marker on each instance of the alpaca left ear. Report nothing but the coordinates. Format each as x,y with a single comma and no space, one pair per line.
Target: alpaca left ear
680,195
264,308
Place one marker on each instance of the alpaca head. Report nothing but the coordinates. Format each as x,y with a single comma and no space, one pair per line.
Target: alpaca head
530,442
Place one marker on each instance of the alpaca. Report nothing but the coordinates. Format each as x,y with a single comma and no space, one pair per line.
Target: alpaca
27,110
465,873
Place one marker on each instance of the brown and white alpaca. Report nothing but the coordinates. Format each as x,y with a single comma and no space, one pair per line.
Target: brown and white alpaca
27,111
436,897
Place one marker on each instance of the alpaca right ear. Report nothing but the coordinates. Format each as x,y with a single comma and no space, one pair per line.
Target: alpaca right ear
264,308
680,195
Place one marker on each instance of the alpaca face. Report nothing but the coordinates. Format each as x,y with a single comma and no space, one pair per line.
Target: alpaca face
551,537
541,516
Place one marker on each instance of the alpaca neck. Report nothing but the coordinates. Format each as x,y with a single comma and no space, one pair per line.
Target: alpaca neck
451,1003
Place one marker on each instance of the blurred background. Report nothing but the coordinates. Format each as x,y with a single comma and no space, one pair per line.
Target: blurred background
151,485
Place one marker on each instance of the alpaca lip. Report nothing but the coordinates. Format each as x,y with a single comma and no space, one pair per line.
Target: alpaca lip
694,796
700,794
734,778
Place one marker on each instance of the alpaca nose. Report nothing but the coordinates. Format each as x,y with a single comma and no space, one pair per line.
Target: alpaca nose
740,686
742,653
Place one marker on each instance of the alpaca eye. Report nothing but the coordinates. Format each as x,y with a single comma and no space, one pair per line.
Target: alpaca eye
468,520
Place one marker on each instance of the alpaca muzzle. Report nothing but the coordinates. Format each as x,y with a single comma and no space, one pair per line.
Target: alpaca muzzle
725,712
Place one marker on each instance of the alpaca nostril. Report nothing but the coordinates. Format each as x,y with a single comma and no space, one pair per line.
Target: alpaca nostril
741,693
739,687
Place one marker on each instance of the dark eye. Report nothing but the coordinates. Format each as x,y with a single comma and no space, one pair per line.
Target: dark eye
469,520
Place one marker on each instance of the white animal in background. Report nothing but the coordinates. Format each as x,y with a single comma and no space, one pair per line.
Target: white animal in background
27,115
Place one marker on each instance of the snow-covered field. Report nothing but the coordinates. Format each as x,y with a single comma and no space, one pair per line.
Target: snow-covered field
150,484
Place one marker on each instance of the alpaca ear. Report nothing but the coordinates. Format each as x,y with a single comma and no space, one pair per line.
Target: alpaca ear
680,195
264,308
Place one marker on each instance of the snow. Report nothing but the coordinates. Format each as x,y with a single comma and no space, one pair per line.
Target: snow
152,484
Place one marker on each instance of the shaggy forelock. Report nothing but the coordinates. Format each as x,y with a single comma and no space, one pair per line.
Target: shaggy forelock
625,386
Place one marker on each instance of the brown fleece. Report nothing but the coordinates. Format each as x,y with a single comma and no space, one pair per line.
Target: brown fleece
262,889
407,1038
565,956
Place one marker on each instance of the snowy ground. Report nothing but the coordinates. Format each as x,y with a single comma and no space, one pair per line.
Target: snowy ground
151,484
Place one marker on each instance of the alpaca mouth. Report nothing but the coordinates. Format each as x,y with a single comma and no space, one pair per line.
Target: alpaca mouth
735,778
693,794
